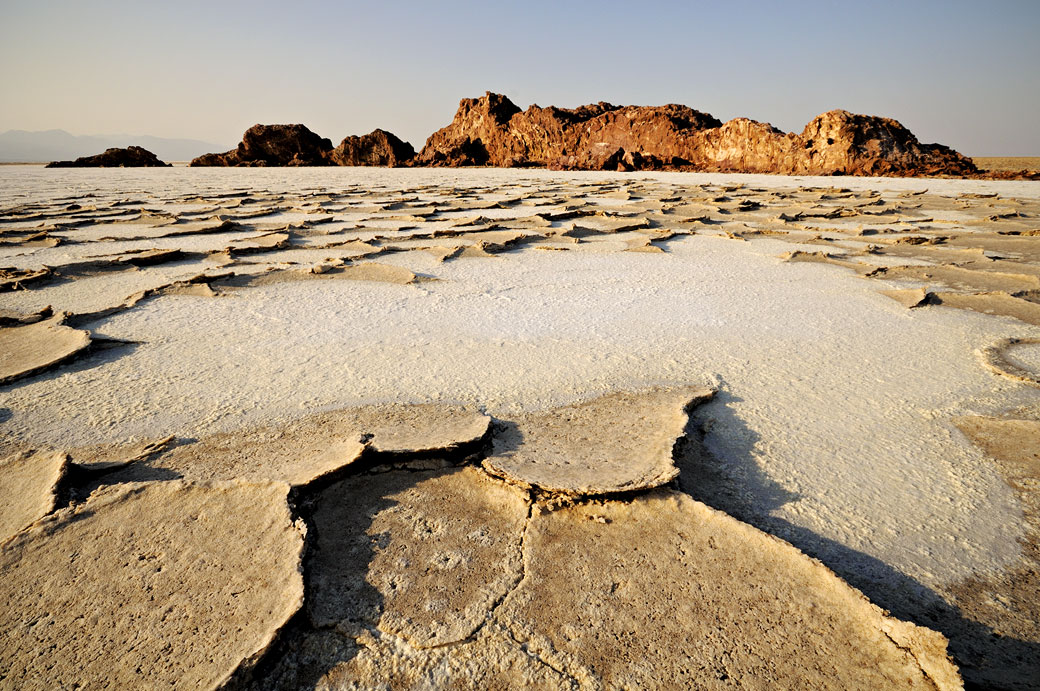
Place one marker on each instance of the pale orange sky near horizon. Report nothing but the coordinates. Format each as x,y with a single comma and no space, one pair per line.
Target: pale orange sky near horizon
959,73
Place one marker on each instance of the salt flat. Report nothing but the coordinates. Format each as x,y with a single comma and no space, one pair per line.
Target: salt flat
526,294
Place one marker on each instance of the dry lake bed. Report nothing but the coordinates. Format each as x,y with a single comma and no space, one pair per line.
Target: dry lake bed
356,428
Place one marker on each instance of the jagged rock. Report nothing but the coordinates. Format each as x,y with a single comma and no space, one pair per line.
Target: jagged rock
273,145
130,157
491,130
840,142
162,584
295,145
212,160
377,148
478,124
746,146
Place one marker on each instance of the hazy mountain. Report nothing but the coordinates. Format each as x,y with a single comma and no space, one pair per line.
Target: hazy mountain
59,145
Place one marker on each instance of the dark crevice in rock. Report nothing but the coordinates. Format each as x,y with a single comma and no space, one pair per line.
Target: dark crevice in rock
80,480
568,676
372,461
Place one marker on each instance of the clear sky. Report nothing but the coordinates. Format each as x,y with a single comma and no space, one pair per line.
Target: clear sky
963,73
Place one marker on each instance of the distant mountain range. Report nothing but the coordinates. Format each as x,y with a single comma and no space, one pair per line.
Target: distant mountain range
58,145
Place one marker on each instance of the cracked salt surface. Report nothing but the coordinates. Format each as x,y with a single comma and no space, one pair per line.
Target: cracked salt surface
1026,356
829,386
831,391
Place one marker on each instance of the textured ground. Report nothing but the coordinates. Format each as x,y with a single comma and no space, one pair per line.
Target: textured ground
605,366
1014,163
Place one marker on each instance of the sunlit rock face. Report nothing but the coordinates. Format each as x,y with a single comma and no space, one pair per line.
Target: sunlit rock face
491,130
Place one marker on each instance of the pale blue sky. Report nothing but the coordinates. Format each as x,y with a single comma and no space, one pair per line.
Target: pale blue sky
966,74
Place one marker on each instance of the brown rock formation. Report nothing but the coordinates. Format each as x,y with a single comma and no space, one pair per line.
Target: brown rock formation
130,157
295,145
273,145
493,131
839,142
377,148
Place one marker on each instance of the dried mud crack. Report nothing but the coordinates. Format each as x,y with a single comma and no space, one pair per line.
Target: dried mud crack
1000,359
372,613
417,570
203,344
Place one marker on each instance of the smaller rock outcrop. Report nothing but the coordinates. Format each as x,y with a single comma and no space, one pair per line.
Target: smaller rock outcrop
842,143
377,148
130,157
273,145
295,145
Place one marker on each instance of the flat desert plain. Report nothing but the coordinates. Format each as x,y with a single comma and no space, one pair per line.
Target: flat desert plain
370,428
1013,163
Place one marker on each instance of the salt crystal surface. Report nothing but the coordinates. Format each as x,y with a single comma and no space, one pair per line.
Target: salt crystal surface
832,396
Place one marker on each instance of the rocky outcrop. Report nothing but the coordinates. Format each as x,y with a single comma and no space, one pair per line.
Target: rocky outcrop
840,142
130,157
273,145
295,145
493,131
479,135
377,148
